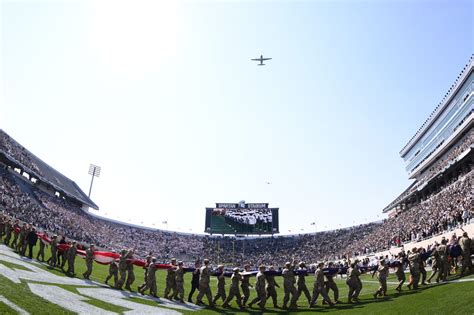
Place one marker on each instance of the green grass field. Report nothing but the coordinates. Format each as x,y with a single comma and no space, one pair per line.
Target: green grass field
454,297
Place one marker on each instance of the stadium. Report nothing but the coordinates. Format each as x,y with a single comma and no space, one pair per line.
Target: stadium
437,206
160,93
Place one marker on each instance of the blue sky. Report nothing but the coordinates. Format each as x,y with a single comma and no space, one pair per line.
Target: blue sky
164,97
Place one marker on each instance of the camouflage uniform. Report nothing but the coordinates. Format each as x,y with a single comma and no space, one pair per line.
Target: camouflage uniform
170,289
15,228
261,293
150,282
89,261
435,261
179,284
8,232
443,262
354,283
204,289
289,286
234,290
331,285
122,269
301,286
245,286
130,273
113,272
400,273
220,287
319,288
382,276
465,243
271,291
54,249
71,257
414,262
42,245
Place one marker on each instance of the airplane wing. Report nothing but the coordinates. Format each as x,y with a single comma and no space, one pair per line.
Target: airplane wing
256,59
265,59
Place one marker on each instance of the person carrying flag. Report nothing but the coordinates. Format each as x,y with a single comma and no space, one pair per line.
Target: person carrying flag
234,289
204,289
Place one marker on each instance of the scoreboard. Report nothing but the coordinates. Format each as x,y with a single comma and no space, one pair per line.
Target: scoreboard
242,218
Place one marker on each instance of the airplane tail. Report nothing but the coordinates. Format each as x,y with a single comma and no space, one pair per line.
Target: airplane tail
261,64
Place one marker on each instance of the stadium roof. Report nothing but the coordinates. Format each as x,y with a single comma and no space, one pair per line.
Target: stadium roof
48,174
441,106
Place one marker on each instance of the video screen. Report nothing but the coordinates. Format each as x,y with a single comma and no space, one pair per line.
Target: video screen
242,218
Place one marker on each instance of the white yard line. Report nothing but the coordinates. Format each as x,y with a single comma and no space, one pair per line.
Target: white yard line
13,306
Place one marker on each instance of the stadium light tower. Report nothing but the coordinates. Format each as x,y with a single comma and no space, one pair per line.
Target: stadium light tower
94,170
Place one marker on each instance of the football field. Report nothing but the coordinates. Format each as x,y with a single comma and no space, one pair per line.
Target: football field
29,287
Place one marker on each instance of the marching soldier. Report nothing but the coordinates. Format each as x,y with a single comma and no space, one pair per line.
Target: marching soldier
60,254
71,257
301,283
195,280
260,288
122,269
21,245
89,261
113,272
435,264
220,285
422,266
42,245
171,281
442,250
147,264
331,284
16,230
319,287
204,289
271,284
234,289
179,295
150,282
130,273
289,285
400,273
382,274
245,285
8,232
465,243
54,249
414,263
354,283
63,252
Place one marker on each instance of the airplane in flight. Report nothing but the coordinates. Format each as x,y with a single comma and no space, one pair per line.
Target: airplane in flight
261,59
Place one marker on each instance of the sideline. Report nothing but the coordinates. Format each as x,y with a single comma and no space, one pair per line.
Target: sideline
428,284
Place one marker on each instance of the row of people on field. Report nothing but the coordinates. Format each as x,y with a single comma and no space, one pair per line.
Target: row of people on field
294,279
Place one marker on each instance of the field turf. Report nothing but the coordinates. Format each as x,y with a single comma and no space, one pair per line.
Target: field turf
455,297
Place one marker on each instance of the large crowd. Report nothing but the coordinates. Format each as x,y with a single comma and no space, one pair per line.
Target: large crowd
447,209
59,216
440,212
444,258
448,158
62,218
17,152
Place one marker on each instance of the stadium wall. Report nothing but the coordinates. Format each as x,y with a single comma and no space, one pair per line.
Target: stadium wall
469,228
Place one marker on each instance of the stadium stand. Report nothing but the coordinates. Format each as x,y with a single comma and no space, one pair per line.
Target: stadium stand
439,200
16,155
